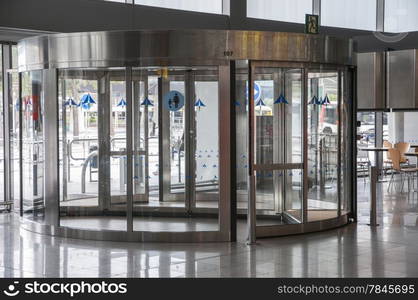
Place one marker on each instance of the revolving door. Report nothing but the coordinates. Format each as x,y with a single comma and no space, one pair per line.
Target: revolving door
181,135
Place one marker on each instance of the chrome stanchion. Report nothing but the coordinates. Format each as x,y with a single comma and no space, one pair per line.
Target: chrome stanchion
251,216
373,174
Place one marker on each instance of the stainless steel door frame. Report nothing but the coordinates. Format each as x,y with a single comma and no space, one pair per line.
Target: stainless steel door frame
104,111
51,171
190,142
164,161
9,142
7,90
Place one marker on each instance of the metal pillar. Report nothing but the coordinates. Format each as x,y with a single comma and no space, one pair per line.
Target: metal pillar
103,110
50,127
7,64
190,143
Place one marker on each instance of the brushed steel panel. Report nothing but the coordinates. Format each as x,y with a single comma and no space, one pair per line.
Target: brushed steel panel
371,81
401,73
177,47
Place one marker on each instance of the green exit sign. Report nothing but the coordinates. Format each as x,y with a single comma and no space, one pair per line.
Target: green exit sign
312,24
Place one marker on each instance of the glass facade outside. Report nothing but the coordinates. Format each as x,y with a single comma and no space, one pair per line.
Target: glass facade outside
213,6
401,15
354,14
284,10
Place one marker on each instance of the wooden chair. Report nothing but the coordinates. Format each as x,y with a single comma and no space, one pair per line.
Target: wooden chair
387,161
396,164
403,148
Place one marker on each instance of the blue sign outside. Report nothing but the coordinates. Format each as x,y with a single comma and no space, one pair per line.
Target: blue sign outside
173,100
257,91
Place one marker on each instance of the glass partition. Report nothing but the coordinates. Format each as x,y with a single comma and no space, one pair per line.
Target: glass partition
32,138
284,10
175,149
177,134
14,137
323,144
401,16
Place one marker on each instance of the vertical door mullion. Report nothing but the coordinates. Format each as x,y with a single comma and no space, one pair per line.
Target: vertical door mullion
51,147
103,108
146,138
277,142
20,146
251,215
129,144
305,144
339,113
190,143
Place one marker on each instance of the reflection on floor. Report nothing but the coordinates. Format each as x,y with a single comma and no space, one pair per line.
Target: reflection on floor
356,250
351,251
141,223
393,207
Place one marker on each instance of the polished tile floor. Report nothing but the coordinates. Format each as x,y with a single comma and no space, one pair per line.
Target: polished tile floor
356,250
351,251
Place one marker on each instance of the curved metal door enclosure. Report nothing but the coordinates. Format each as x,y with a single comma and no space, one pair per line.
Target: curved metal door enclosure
159,135
299,147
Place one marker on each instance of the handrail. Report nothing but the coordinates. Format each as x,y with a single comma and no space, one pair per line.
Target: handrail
70,145
83,171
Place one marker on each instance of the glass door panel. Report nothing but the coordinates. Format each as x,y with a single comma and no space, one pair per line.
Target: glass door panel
14,129
278,144
207,140
175,125
32,145
118,158
323,141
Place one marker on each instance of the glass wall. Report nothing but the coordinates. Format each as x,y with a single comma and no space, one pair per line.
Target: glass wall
401,15
283,10
355,14
14,132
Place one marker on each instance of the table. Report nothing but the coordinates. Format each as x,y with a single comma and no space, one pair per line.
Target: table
413,154
374,150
